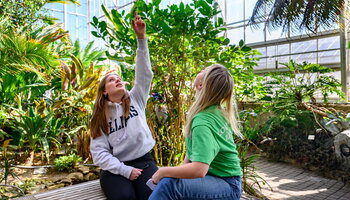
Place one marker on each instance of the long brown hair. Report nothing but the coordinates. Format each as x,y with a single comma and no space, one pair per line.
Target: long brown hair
99,121
217,90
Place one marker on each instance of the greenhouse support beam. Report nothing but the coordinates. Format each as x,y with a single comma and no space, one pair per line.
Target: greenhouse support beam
299,38
344,52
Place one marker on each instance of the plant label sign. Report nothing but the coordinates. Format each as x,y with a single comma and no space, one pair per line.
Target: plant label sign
311,137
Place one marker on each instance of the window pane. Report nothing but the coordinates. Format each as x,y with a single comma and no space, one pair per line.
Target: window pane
261,50
308,57
59,16
71,8
234,11
249,6
254,34
329,57
261,64
305,46
82,9
329,43
235,35
274,34
55,6
72,26
222,8
281,60
283,49
164,4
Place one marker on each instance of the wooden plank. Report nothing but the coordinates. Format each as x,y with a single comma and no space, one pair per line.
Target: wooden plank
83,191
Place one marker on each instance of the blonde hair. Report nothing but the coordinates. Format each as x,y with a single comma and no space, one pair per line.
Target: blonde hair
99,121
217,90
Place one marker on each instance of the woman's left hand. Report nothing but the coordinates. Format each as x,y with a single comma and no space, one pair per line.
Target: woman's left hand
139,26
158,176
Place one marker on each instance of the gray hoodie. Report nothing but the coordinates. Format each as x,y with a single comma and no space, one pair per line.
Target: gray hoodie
129,138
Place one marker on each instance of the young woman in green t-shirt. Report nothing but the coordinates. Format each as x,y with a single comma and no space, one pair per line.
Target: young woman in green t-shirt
211,169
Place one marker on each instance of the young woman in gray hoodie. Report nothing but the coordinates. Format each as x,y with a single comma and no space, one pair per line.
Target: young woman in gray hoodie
120,137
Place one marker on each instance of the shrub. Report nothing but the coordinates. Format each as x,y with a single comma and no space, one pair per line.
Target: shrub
67,163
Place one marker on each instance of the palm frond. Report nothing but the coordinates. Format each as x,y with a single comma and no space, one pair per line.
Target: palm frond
20,53
297,15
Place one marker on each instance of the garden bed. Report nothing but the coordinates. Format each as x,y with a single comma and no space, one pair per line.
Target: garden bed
36,179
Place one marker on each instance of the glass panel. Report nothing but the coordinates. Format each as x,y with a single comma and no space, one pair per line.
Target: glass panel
164,4
96,7
271,63
72,26
82,9
237,7
49,6
271,60
249,6
56,6
305,46
329,57
126,8
222,8
59,16
329,43
235,35
187,1
71,8
281,60
271,51
261,64
262,50
254,34
274,34
283,49
308,57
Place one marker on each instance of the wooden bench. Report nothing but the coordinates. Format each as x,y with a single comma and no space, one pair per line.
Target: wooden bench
87,190
83,191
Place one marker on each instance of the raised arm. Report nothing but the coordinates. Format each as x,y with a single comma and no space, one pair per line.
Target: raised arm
143,71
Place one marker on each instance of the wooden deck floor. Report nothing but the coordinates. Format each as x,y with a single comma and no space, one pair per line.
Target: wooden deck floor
83,191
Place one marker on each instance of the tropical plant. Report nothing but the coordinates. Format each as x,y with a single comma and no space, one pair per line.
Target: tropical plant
251,181
298,15
182,39
32,126
6,171
20,53
88,55
67,163
336,121
79,85
250,126
300,84
295,114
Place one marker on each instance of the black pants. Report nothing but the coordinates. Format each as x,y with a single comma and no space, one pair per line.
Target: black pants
117,187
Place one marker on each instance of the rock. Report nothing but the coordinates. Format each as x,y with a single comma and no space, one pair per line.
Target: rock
55,186
83,169
36,189
342,147
40,170
90,176
66,181
96,170
76,177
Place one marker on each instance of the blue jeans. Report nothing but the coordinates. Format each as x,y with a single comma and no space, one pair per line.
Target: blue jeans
208,187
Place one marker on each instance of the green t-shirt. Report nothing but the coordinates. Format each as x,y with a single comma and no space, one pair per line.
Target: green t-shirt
211,142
